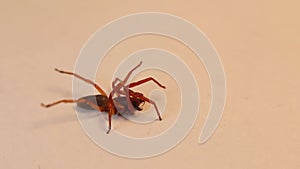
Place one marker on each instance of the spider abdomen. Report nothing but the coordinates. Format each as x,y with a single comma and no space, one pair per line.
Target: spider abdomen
100,100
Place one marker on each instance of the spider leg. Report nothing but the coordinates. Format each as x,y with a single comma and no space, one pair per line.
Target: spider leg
132,93
131,71
127,93
93,105
110,113
109,124
84,79
126,89
113,84
58,102
122,83
133,84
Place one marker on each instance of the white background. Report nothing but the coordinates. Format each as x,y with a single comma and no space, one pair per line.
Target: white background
258,45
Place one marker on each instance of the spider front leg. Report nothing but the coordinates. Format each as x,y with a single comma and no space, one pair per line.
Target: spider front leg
133,84
141,96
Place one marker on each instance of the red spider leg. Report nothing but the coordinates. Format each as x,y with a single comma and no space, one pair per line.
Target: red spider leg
130,106
110,113
58,102
141,96
133,84
94,106
122,83
84,79
111,107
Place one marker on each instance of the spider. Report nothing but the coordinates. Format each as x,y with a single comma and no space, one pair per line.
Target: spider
126,99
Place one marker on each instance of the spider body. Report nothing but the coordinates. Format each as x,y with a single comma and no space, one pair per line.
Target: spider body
102,101
99,100
126,99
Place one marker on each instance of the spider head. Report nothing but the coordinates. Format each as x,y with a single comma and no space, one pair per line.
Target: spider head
137,102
